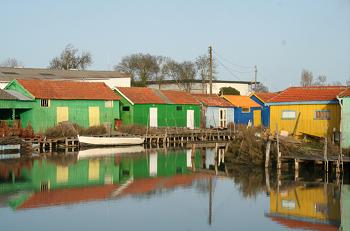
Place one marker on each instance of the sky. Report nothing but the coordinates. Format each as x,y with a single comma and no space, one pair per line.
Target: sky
280,37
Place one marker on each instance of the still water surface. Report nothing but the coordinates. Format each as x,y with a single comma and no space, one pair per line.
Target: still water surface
164,189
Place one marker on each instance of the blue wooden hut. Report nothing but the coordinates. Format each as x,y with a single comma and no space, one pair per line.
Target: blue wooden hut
261,98
246,110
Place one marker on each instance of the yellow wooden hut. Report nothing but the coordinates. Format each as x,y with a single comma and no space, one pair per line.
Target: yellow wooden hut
313,111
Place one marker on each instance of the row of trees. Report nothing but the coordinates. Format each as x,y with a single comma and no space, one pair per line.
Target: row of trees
141,67
307,79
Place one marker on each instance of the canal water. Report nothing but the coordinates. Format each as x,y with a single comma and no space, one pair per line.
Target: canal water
164,189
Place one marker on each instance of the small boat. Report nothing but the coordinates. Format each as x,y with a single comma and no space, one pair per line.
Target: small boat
101,152
110,141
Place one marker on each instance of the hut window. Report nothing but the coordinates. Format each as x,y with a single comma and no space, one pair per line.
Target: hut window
109,103
322,115
178,108
44,103
288,115
126,108
245,109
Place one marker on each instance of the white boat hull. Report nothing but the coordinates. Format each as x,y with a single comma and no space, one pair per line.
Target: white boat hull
110,141
100,152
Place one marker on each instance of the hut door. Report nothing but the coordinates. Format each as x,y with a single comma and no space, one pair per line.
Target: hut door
223,117
257,118
94,116
190,119
153,117
62,114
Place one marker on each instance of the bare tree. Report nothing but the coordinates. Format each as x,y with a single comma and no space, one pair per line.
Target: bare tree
261,88
306,78
337,83
347,83
320,81
70,59
183,73
10,62
202,67
142,67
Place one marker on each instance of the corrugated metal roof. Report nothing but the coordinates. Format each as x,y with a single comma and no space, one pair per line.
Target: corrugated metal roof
50,89
18,95
212,100
241,101
9,74
12,95
312,93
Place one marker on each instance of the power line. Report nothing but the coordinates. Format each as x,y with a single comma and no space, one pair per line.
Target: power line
234,64
227,69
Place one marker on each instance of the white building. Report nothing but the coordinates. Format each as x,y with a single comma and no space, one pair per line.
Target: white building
197,86
111,78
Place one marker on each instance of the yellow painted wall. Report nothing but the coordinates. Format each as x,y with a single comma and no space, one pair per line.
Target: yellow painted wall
257,118
94,169
307,123
314,202
62,174
62,114
94,116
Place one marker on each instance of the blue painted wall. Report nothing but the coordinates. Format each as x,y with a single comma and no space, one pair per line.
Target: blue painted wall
265,111
244,117
212,116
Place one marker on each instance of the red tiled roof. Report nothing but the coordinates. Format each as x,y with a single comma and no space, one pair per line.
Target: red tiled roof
313,93
265,96
212,100
60,89
241,101
180,97
294,224
144,95
141,95
68,196
345,93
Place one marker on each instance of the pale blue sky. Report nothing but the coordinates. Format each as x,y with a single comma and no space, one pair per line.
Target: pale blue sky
280,36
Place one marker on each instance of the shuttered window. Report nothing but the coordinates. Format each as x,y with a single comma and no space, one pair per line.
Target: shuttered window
322,115
109,103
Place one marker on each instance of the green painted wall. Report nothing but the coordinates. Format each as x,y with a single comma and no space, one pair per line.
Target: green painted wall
345,208
346,122
8,104
168,116
41,118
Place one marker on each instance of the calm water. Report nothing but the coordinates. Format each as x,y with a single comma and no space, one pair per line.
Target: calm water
173,189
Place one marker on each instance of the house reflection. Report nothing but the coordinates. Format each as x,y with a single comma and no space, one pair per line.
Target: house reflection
67,180
314,206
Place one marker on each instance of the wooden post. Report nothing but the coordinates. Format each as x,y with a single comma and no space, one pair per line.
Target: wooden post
296,169
267,153
278,149
325,155
267,180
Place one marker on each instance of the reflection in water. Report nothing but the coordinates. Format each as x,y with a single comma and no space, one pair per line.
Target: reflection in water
153,175
67,180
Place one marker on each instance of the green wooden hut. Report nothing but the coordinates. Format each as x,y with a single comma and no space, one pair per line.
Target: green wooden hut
344,99
12,105
85,103
158,108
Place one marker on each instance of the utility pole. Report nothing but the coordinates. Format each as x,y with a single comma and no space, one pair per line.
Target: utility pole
210,70
255,76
